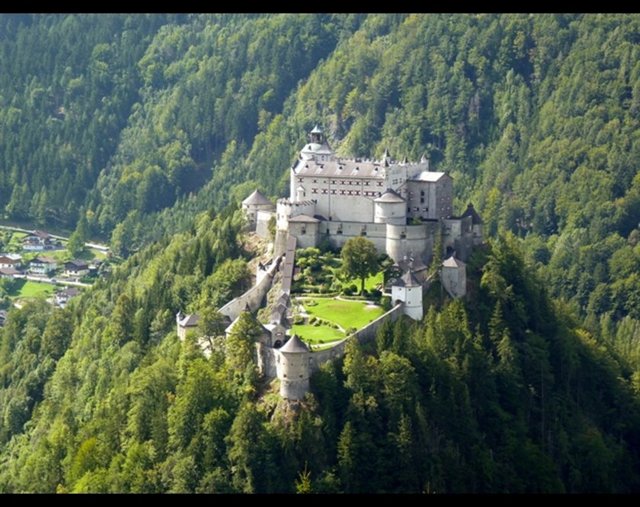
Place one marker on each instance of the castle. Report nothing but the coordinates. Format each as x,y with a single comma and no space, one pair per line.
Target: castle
401,207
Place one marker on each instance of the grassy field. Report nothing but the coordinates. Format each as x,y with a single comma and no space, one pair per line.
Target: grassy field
344,313
317,334
31,289
373,281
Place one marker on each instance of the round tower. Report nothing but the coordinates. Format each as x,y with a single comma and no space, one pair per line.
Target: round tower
293,369
256,202
390,208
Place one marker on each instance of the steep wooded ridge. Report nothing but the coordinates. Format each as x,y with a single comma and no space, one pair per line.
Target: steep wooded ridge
150,126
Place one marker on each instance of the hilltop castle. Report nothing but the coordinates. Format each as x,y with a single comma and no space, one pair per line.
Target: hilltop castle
401,207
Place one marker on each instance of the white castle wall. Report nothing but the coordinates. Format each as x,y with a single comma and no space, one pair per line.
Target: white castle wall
340,232
254,296
363,335
305,232
410,240
262,222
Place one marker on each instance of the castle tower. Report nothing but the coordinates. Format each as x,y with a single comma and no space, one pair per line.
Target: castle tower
317,149
476,222
408,290
390,208
293,369
253,205
453,275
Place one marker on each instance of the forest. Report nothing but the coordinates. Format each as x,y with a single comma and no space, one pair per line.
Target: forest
147,130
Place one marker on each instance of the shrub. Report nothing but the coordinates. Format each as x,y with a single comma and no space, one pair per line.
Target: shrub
385,302
351,330
312,320
298,319
375,294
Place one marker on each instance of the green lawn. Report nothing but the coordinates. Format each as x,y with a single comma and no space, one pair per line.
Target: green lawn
344,313
317,334
32,289
373,281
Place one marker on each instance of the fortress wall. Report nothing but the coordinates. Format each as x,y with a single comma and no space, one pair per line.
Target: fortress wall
376,233
364,335
254,296
410,240
262,223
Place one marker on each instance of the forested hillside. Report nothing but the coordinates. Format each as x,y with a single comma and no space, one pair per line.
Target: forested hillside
153,127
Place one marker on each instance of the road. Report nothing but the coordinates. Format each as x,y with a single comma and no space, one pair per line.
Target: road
96,246
58,281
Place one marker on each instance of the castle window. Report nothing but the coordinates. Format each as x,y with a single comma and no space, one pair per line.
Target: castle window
403,235
333,182
379,183
303,230
366,183
300,376
285,375
421,193
342,182
425,209
315,181
333,191
314,190
422,200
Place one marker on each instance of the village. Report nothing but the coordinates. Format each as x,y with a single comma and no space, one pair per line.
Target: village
38,264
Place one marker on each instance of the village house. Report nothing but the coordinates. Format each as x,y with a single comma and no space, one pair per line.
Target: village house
42,265
76,268
63,296
9,260
38,241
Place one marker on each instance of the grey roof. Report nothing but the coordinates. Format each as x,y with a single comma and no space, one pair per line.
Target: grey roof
294,346
257,197
452,262
340,168
431,176
189,320
43,260
68,292
316,130
76,263
407,280
471,212
319,149
390,195
304,218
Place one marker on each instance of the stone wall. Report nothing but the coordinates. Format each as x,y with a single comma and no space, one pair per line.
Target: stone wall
363,335
254,296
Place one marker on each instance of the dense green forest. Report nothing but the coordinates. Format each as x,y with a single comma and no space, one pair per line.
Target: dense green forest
147,129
